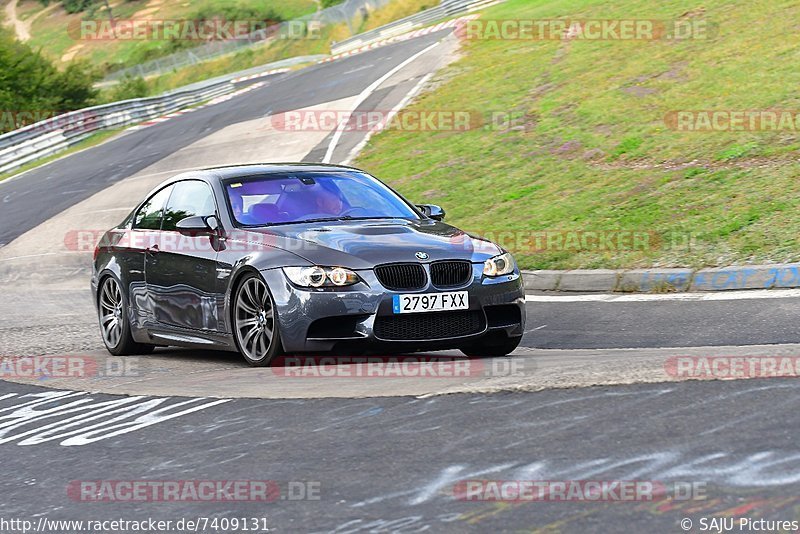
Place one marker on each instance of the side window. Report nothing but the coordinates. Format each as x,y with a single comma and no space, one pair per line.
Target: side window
189,198
149,215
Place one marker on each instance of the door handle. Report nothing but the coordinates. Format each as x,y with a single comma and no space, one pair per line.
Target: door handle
152,249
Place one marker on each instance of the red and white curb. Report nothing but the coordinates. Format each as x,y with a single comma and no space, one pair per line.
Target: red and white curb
225,98
403,37
217,100
259,75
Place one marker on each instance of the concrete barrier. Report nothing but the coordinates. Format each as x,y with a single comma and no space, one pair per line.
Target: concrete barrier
665,280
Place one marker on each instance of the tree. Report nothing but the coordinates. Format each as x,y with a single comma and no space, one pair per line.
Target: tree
30,83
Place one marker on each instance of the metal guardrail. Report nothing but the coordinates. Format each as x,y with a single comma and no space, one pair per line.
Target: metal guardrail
447,9
347,12
58,133
48,137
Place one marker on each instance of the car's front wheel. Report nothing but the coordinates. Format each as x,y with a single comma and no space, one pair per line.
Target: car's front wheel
255,322
492,347
114,325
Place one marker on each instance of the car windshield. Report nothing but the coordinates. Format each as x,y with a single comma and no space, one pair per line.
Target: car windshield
313,196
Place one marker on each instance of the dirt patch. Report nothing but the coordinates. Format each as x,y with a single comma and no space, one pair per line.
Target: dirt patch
711,165
432,193
152,7
639,91
693,13
70,54
21,28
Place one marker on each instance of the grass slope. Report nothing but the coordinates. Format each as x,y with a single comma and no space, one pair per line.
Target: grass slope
595,154
283,48
54,32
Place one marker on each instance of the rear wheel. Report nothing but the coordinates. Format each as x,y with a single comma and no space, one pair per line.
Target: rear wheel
114,325
492,347
255,322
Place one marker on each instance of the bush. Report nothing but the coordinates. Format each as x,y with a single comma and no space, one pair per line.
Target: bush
76,6
30,83
129,87
72,6
238,12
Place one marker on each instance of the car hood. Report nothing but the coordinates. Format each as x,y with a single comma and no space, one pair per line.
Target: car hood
366,243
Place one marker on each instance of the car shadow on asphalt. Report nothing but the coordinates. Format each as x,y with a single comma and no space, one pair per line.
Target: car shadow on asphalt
234,359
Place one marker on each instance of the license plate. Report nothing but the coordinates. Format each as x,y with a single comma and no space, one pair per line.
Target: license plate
430,302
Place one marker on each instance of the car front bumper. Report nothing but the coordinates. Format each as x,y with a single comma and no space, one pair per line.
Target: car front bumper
323,320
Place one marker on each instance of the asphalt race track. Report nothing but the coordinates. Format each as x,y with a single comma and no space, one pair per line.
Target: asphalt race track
391,464
65,182
591,395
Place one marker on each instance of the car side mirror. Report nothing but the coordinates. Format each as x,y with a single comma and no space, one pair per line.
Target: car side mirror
432,210
197,224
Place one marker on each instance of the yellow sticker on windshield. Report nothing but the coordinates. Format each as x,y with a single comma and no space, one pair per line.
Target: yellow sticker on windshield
236,185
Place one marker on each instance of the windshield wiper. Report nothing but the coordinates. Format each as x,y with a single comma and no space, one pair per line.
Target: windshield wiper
320,219
342,218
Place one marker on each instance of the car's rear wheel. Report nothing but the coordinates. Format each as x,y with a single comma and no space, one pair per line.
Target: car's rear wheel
492,347
115,328
255,322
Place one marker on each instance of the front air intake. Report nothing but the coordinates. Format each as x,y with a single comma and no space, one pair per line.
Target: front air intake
446,274
401,276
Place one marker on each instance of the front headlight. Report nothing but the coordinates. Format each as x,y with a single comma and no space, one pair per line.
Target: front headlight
317,276
499,265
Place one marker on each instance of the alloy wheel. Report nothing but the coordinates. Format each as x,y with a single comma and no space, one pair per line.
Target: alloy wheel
254,319
111,312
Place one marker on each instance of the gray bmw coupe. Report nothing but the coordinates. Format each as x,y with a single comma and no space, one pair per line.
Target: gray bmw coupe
265,259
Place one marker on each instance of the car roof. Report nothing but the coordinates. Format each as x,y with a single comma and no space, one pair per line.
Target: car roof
243,171
226,172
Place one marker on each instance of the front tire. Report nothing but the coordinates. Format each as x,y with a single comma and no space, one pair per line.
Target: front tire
255,325
115,328
491,348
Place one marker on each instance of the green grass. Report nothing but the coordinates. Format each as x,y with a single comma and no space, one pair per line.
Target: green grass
593,152
242,60
55,33
282,49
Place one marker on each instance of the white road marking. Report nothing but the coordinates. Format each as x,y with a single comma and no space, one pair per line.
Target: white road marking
400,105
125,208
351,71
43,417
721,295
535,329
29,256
363,95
